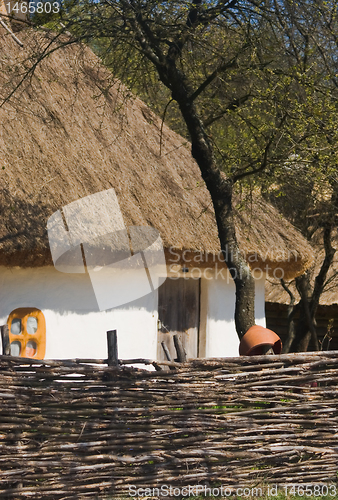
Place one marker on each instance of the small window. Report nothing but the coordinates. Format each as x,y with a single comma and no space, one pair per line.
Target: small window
15,348
16,326
27,333
32,325
31,349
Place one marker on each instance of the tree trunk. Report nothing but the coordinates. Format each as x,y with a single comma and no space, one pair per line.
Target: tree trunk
308,305
221,190
306,328
291,322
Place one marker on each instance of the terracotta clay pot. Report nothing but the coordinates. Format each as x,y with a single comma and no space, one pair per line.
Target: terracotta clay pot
256,338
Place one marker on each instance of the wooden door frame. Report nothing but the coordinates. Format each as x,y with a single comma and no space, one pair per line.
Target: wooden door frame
198,324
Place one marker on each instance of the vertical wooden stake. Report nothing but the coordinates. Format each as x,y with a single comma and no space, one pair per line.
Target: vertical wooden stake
167,354
166,351
6,348
113,359
181,355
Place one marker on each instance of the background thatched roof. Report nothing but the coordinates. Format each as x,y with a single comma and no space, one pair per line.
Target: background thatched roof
70,131
274,292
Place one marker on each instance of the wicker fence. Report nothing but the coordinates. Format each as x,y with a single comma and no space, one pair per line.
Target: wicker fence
75,429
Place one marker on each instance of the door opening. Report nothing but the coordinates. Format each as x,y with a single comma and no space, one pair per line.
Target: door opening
179,313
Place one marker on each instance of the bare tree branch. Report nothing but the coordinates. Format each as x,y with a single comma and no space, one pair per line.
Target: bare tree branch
221,68
264,162
236,103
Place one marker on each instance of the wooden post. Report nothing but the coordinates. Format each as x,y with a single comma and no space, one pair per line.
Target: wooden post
166,351
167,354
181,355
113,359
6,348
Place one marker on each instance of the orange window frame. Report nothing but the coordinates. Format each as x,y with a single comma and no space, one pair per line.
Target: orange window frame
39,337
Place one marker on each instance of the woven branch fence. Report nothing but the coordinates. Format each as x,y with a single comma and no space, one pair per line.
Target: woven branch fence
80,428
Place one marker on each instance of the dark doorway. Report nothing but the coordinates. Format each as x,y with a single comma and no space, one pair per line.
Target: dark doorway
179,312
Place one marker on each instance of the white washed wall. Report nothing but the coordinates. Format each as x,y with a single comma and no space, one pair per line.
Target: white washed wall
75,327
260,299
220,333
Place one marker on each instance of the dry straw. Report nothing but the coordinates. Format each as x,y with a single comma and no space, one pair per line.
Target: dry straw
71,130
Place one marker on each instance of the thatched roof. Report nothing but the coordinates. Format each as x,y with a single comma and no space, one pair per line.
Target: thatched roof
274,292
70,131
